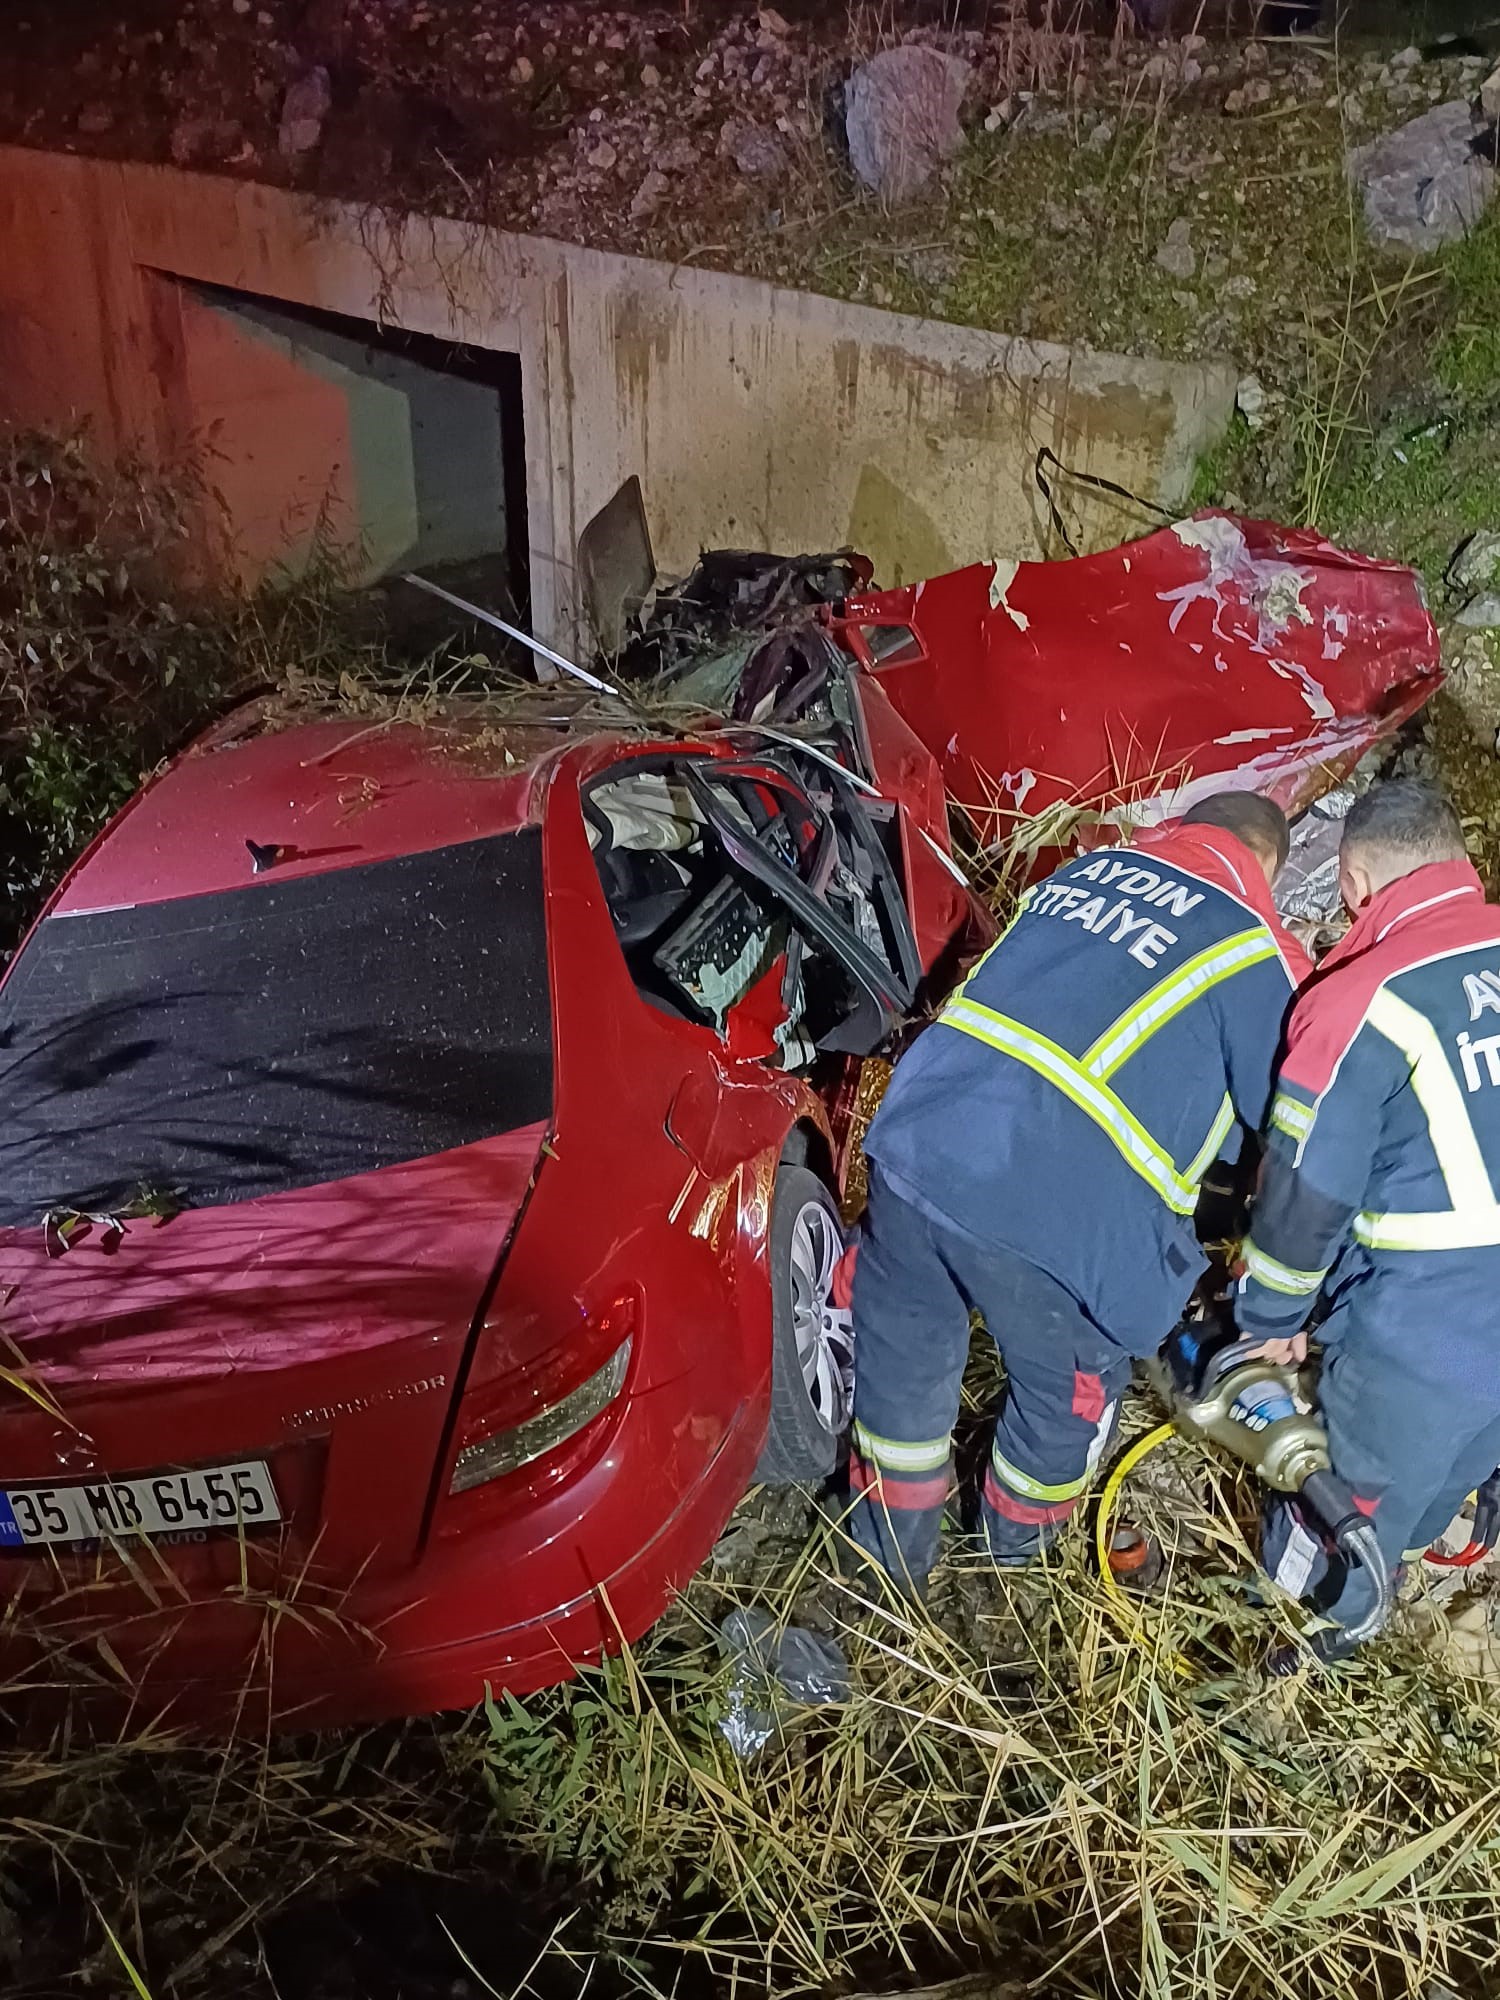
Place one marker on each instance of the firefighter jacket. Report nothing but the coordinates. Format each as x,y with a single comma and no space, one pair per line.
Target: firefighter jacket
1071,1095
1383,1151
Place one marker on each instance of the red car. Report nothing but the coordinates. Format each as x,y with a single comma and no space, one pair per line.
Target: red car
422,1143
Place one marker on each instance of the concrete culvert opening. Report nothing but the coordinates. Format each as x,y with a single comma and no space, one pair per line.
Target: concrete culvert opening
388,449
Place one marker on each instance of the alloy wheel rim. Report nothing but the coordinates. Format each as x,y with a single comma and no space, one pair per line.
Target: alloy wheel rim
823,1331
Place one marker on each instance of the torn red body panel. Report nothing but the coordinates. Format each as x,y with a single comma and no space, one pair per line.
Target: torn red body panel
1217,653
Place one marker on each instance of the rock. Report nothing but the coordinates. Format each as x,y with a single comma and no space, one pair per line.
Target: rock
678,156
602,157
1476,562
650,77
1177,257
1474,683
1100,135
753,149
1172,68
1423,185
772,23
522,70
1482,613
1489,96
242,6
1407,59
901,117
303,111
94,119
648,195
1255,92
1257,59
1250,400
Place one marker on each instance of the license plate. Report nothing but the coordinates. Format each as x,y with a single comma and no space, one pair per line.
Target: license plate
225,1498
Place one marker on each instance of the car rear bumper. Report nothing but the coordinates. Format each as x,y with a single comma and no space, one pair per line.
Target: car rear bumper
224,1663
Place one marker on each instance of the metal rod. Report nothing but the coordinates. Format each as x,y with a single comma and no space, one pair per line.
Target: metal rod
795,742
512,632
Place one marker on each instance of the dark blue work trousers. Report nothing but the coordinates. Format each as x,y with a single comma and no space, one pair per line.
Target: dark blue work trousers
916,1283
1412,1443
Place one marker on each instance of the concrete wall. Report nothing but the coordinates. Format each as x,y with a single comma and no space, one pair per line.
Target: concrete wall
752,415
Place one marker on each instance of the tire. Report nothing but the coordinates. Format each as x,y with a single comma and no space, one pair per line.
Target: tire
811,1340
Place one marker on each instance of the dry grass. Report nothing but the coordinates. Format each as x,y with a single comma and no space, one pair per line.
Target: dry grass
184,1855
1019,1779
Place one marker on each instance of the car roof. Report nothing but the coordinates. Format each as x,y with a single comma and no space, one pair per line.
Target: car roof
328,793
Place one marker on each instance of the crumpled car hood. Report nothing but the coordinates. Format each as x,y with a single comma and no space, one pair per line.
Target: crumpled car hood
1217,653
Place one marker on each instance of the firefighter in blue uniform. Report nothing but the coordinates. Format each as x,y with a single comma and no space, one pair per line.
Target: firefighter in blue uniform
1381,1192
1038,1157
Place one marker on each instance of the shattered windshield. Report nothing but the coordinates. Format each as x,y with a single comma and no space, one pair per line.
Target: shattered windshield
219,1047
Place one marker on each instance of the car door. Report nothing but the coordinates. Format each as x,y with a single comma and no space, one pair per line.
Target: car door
806,840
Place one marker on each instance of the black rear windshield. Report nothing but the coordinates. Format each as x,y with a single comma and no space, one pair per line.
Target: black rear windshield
275,1036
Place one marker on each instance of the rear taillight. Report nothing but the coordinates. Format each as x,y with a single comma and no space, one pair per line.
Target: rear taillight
519,1444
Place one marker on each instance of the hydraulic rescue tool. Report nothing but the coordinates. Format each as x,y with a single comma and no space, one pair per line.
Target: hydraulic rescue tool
1262,1413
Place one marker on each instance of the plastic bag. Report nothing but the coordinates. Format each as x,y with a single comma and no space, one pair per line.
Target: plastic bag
802,1664
1307,890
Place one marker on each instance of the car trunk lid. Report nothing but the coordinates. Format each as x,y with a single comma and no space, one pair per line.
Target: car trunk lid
319,1332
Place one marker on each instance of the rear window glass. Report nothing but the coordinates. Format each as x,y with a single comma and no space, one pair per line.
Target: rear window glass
278,1035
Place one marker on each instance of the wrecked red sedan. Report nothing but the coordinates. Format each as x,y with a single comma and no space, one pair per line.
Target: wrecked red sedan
422,1144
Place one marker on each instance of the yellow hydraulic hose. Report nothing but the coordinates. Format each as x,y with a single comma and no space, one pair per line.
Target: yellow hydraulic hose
1128,1462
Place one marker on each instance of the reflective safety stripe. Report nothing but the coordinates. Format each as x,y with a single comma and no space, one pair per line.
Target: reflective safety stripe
1169,996
1292,1116
1280,1277
1033,1489
1295,1564
1469,1228
1112,1117
1208,1152
898,1455
1441,1098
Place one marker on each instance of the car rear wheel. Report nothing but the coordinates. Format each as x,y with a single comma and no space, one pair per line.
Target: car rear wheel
812,1339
